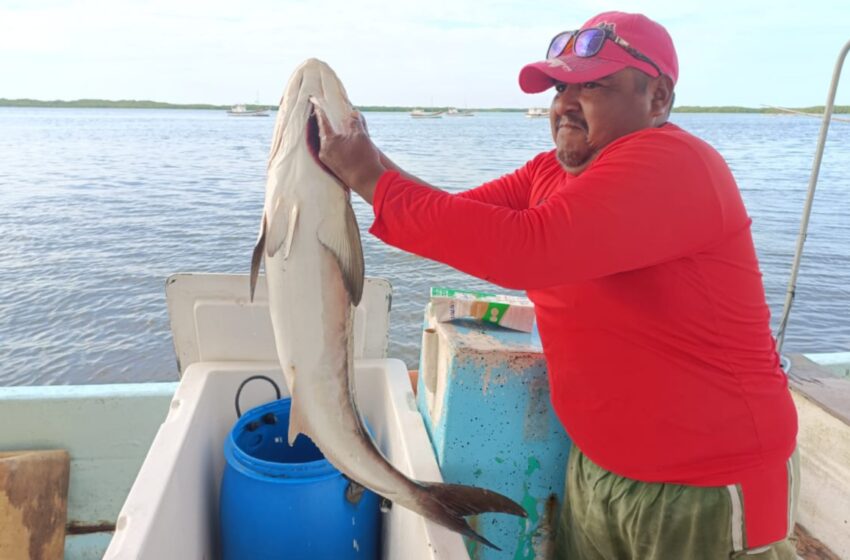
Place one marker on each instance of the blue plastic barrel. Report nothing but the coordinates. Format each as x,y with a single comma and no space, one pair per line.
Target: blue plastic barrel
280,502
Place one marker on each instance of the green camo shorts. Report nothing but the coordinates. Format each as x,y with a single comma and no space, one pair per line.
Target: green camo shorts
608,517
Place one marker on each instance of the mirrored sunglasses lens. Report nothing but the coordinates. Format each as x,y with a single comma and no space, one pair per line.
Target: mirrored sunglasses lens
558,44
589,42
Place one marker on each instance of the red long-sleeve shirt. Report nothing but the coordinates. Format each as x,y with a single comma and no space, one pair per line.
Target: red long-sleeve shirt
648,296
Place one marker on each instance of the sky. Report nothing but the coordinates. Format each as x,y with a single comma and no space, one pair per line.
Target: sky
400,53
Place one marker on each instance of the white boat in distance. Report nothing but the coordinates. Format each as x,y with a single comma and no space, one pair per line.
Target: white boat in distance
537,112
453,112
420,114
243,111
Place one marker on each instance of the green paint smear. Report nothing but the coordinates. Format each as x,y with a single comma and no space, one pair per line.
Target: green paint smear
529,504
524,549
533,465
471,547
525,546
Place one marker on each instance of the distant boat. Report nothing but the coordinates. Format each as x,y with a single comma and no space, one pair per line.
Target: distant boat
537,112
242,111
420,114
459,113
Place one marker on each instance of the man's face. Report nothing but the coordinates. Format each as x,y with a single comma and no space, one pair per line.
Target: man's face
586,117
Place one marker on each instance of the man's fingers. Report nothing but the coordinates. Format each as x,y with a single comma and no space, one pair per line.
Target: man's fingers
325,125
363,122
354,123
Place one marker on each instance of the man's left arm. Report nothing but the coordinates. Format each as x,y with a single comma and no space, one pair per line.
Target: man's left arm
352,157
642,203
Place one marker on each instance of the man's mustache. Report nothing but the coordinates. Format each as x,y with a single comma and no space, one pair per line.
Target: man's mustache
570,120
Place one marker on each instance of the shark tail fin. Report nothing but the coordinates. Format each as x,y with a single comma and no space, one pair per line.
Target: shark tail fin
448,504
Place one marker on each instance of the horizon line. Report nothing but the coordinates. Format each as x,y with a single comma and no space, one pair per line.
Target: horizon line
96,103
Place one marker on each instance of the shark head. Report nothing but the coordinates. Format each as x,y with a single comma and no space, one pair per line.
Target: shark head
297,181
312,84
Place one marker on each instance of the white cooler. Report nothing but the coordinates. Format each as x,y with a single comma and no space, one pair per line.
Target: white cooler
220,340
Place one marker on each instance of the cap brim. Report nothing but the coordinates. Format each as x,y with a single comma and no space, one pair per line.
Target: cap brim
540,76
572,69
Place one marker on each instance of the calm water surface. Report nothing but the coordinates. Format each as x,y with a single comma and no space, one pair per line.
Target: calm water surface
99,206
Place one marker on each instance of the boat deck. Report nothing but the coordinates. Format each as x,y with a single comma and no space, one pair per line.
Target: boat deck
821,393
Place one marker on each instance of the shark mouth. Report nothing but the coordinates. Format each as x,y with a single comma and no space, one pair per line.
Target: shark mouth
314,142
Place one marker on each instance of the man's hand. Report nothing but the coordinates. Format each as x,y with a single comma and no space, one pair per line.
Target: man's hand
350,154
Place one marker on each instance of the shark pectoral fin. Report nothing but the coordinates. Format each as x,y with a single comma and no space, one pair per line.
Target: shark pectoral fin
257,256
290,232
296,422
281,229
342,238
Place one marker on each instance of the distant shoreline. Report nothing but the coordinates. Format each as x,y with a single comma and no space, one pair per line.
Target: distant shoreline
133,104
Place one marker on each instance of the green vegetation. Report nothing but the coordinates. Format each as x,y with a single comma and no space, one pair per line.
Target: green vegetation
134,104
816,110
120,104
387,109
718,109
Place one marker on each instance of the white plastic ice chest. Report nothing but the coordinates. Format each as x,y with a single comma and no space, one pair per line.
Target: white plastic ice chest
220,340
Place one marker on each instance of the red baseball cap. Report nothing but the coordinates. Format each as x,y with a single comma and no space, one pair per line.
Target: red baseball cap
643,34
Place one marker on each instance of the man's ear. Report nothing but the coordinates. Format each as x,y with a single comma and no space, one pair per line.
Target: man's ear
662,95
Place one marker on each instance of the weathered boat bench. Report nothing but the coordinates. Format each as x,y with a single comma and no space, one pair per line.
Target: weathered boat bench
822,396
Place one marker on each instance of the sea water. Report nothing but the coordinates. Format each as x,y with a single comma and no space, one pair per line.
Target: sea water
99,206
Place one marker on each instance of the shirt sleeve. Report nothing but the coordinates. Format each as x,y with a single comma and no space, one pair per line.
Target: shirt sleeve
511,191
646,199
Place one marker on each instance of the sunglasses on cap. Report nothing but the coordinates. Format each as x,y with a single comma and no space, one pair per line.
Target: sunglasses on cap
588,42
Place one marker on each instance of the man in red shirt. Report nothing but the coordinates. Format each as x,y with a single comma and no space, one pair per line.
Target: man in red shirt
632,240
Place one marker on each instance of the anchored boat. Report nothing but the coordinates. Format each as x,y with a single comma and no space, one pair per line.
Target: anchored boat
422,114
537,112
243,111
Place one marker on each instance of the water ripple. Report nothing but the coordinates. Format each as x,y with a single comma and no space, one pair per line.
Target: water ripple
98,207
